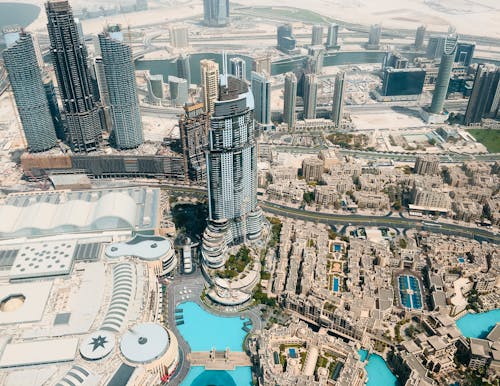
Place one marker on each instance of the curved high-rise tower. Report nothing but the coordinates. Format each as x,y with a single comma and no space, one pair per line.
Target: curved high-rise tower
231,159
443,79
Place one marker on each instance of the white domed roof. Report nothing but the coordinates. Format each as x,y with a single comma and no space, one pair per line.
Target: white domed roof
144,343
97,345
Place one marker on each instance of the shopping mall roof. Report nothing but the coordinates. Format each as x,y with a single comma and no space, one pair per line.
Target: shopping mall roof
143,247
55,212
144,343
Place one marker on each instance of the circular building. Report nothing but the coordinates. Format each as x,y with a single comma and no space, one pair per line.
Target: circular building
152,347
97,345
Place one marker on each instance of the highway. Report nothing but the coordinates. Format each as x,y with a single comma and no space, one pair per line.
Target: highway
479,234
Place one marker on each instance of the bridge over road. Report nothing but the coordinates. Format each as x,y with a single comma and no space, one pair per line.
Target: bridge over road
219,360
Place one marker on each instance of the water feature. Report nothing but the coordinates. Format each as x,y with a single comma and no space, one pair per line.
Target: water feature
335,284
198,376
478,325
17,13
378,372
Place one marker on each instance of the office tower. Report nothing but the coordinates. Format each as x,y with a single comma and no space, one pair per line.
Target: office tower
310,94
435,46
216,13
193,126
120,79
426,165
261,90
179,37
156,93
50,93
338,99
404,81
443,79
286,40
184,68
465,53
178,90
374,37
317,35
233,214
238,68
290,100
69,57
312,169
31,101
209,83
483,102
315,60
419,37
394,59
333,36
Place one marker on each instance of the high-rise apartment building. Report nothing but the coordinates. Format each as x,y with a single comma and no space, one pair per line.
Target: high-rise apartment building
426,165
184,68
338,99
193,126
444,74
238,68
179,37
286,40
50,92
374,37
485,96
310,95
156,92
69,57
31,100
333,36
419,37
261,90
216,13
234,216
209,83
178,90
120,79
312,169
290,100
317,35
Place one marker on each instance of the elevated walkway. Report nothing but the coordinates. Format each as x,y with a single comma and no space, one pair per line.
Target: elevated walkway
219,360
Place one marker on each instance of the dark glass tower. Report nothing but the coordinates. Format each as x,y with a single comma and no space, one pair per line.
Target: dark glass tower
483,102
120,80
216,12
26,81
69,56
443,79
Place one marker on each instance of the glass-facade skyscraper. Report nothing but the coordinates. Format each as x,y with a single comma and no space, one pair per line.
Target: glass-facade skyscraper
31,99
231,159
122,90
261,90
338,99
216,13
310,95
290,100
69,57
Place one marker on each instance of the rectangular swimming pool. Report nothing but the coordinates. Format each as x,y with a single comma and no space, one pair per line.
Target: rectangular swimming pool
335,284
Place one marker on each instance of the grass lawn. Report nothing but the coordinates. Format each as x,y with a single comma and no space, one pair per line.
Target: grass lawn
488,137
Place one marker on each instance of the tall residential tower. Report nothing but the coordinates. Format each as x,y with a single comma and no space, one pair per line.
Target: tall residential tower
69,57
290,100
338,99
209,83
216,13
261,90
310,95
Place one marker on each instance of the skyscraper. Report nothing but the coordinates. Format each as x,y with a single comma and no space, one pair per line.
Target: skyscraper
310,94
209,83
193,126
179,37
443,79
156,93
419,37
178,90
317,35
315,59
338,99
184,68
464,53
333,36
261,90
50,92
69,57
286,40
374,37
483,102
120,79
290,100
234,216
216,13
31,100
238,68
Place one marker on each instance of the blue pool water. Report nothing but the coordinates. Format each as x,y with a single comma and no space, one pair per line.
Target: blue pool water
410,301
478,325
461,260
292,352
378,372
204,331
337,248
198,376
335,284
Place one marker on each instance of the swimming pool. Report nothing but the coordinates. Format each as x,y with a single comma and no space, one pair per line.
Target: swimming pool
337,247
335,284
409,289
204,331
378,372
198,376
478,325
